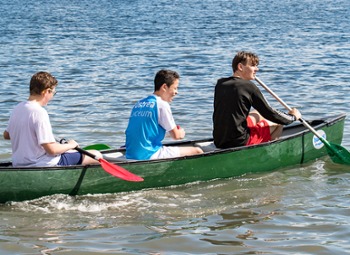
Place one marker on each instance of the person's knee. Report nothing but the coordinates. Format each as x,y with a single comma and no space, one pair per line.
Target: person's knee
198,150
88,160
255,117
187,151
96,153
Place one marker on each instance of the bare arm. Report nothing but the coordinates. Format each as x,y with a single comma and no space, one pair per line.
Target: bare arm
57,148
177,133
6,135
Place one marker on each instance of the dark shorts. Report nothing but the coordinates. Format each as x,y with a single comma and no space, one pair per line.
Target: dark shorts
259,133
70,158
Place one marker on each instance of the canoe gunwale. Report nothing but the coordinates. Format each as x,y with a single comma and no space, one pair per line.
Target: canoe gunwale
295,147
318,123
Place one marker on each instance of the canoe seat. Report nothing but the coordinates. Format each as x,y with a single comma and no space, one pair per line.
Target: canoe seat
206,146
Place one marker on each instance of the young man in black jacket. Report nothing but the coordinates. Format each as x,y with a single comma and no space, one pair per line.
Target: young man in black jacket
234,122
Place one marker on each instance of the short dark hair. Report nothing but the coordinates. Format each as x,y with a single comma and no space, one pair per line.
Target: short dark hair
165,76
244,57
41,81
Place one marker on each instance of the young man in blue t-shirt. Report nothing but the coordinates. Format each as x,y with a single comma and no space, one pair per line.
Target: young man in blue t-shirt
151,118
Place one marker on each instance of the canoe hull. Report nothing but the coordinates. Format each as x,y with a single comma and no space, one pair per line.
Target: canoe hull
18,184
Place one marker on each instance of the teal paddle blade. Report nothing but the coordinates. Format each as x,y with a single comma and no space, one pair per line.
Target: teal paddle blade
338,153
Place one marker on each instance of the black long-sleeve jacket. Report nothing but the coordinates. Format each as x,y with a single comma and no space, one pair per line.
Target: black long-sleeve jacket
233,100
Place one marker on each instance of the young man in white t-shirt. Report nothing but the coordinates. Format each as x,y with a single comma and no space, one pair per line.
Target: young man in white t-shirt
30,131
151,118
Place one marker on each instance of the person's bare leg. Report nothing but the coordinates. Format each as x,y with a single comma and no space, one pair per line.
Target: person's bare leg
255,117
90,161
275,129
187,151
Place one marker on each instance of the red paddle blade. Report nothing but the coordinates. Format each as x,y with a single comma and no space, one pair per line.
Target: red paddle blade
119,171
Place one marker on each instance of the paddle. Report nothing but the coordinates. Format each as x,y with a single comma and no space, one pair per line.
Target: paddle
336,152
110,168
97,146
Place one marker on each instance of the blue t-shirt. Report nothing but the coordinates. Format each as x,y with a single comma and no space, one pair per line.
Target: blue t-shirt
144,134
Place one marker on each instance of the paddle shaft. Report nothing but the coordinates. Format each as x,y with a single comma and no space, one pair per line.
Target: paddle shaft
82,151
337,153
289,109
86,153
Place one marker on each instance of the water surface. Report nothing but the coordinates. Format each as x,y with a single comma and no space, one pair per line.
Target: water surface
105,55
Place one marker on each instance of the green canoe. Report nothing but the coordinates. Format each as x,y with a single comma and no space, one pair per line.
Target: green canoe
296,146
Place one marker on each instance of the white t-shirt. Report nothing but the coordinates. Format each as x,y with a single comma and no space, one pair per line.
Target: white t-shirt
165,117
29,127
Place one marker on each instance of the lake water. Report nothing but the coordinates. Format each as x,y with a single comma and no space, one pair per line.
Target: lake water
105,54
